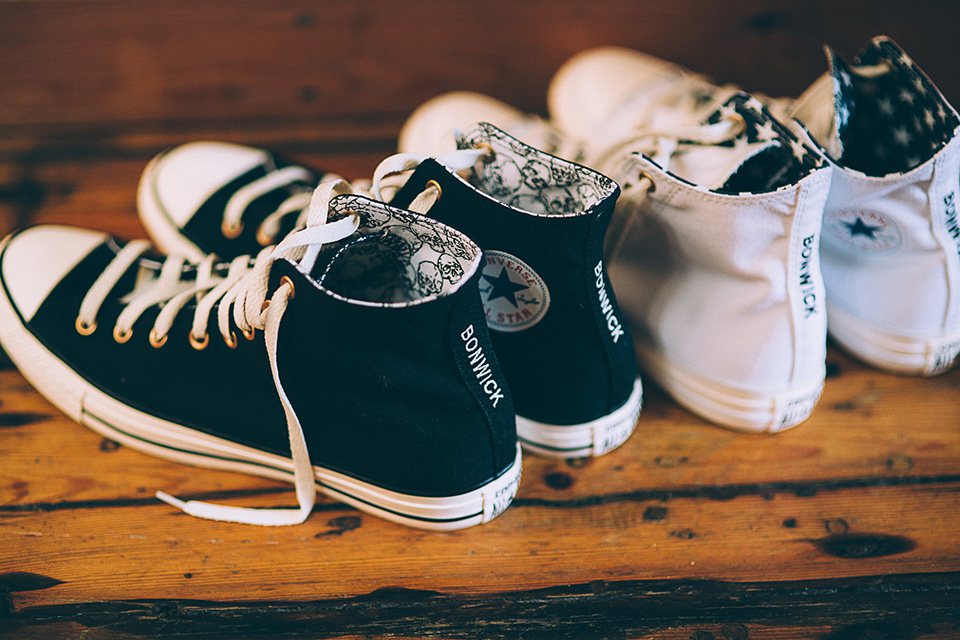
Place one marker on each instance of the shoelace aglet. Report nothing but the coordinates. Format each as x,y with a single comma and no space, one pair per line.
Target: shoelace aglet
169,499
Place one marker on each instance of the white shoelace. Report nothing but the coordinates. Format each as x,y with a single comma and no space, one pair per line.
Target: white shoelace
300,199
659,146
297,202
401,163
244,286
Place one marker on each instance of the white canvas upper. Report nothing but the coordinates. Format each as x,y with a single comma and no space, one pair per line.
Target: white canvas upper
903,279
717,283
607,91
432,128
891,241
892,279
725,297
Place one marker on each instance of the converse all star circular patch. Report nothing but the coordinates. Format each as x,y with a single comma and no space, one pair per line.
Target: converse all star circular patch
865,230
514,296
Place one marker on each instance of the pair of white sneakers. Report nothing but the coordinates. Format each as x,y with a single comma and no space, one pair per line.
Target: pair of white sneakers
749,227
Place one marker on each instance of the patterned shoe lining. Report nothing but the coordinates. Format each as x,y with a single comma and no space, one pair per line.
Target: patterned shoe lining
533,181
888,122
397,257
779,165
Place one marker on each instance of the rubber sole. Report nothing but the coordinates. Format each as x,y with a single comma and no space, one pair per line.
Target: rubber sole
593,438
755,411
113,419
893,352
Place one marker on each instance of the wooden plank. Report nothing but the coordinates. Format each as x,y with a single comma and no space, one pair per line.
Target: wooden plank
680,501
841,528
874,607
137,551
98,190
869,430
95,68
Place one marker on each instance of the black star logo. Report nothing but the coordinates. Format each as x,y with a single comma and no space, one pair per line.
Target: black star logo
503,287
860,228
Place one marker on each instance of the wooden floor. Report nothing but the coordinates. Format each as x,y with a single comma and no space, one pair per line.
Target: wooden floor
845,527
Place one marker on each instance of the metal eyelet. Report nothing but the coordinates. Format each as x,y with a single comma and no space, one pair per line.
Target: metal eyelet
122,336
231,231
231,340
83,328
199,343
156,342
430,183
653,185
286,279
738,120
491,153
263,239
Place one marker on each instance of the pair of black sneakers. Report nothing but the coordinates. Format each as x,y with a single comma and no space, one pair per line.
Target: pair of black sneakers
411,347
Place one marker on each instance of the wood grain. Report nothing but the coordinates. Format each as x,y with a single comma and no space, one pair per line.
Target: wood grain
728,510
843,528
697,524
94,69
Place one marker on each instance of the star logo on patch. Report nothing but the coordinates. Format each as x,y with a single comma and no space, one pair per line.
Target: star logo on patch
503,287
862,231
860,228
514,296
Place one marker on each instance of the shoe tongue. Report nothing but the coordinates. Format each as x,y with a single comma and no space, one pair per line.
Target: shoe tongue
762,157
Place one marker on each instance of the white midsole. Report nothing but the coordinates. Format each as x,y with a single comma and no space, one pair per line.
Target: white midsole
592,438
890,351
757,411
146,433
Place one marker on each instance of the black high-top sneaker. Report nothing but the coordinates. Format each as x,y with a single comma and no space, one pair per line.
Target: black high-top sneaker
560,338
372,377
562,342
216,197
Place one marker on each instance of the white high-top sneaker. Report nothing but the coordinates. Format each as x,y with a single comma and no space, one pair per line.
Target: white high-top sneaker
713,253
890,243
891,237
605,92
434,127
718,270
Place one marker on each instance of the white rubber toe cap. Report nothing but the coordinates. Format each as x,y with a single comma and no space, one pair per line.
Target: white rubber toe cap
177,182
35,260
590,87
431,128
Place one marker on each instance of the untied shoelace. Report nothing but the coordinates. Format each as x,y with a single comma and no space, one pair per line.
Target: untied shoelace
244,288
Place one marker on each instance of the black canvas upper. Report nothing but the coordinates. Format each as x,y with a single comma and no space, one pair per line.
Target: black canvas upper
566,368
203,229
383,390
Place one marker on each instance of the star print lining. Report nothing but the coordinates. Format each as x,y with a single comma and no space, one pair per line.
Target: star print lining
890,117
786,161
